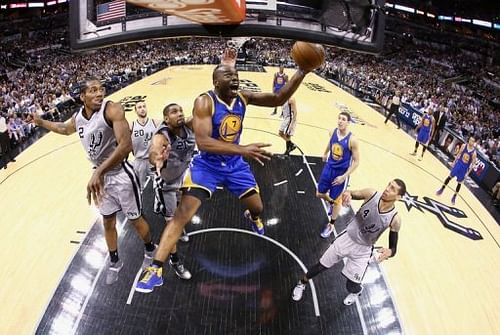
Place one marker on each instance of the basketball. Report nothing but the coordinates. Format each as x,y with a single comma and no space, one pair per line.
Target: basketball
308,56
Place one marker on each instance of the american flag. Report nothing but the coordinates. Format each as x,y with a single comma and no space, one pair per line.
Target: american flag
111,10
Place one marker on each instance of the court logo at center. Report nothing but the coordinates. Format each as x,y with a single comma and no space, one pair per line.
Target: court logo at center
230,128
440,210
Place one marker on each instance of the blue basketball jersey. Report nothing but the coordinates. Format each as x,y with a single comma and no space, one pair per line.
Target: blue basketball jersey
279,82
227,125
465,159
426,124
340,153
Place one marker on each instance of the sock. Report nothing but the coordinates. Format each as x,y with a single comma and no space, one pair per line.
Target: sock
149,246
174,258
332,221
423,150
113,255
446,181
458,188
157,263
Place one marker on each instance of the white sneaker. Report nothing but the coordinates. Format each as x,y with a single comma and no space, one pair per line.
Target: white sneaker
113,270
351,297
184,237
327,231
298,291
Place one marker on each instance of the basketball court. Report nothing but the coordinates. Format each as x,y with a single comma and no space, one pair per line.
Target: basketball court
444,279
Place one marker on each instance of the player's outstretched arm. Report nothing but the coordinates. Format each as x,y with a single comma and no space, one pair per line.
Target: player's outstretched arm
275,99
202,125
64,128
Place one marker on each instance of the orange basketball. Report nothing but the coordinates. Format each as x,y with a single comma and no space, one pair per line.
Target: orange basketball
308,56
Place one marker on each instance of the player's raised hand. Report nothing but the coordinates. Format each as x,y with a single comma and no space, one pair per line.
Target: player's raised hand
229,57
255,152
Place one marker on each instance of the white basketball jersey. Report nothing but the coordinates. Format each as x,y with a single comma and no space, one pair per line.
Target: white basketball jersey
141,138
369,223
97,136
181,153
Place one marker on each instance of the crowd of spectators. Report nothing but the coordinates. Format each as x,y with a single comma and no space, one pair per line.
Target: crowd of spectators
448,81
429,75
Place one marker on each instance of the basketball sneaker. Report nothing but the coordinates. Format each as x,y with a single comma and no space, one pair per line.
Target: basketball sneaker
327,231
454,199
113,270
351,297
440,191
150,278
257,225
298,291
180,270
413,153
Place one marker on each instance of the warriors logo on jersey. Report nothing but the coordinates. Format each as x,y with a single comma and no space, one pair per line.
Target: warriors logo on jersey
337,151
465,158
427,122
230,128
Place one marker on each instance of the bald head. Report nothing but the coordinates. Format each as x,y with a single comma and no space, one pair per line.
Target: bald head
220,70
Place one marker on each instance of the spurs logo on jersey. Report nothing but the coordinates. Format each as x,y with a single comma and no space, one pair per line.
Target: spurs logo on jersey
95,143
97,136
230,128
369,223
141,138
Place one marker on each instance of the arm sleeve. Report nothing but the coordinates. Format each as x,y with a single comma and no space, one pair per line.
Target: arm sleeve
393,242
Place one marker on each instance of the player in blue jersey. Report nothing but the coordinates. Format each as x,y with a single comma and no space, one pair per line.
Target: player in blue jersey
425,131
218,123
461,167
279,80
342,158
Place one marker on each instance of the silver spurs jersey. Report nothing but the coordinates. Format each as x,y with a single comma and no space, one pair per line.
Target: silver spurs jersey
181,153
369,223
141,138
97,136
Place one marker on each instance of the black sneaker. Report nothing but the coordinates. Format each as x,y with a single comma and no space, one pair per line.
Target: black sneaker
180,270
